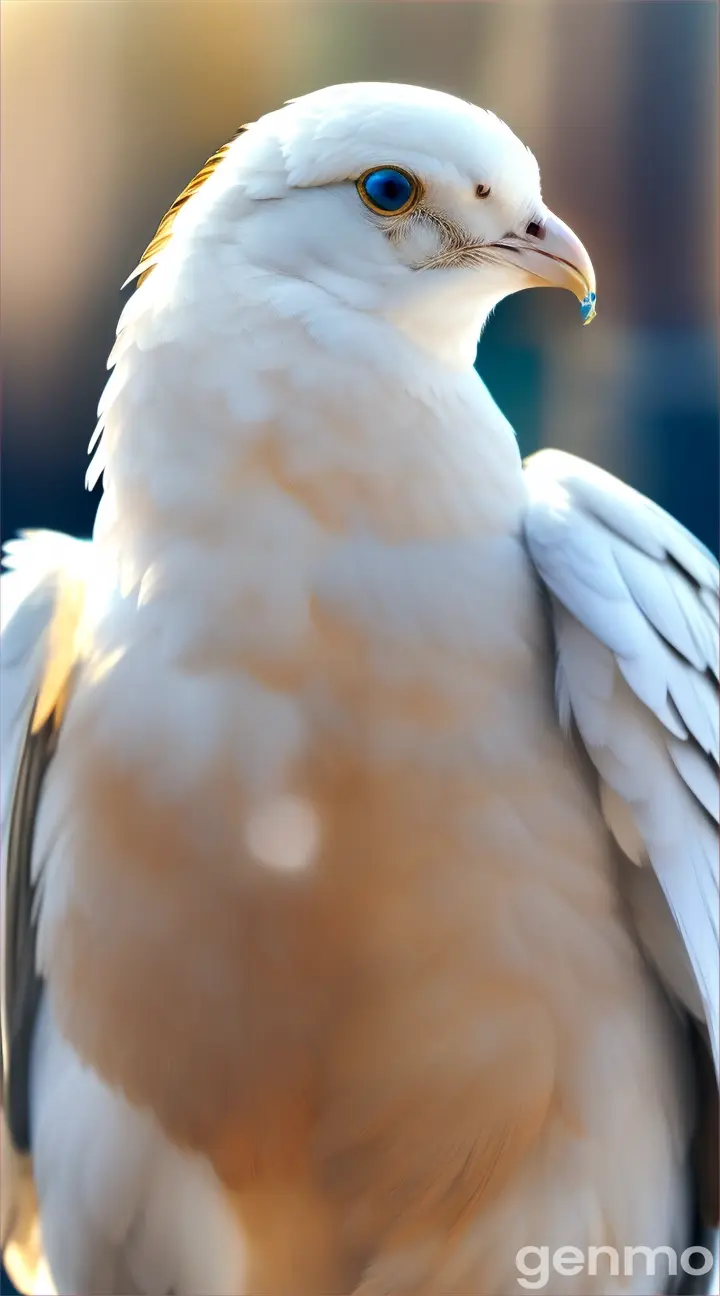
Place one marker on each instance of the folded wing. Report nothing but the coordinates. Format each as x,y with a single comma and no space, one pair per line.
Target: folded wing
635,614
122,1209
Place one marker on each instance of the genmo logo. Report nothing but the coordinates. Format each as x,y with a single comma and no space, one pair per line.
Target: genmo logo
535,1264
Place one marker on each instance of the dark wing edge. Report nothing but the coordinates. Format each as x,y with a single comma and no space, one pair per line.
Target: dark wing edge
22,986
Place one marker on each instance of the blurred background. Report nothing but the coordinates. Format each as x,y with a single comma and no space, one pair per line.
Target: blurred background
110,106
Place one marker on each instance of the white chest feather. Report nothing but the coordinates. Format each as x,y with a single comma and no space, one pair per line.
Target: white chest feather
317,784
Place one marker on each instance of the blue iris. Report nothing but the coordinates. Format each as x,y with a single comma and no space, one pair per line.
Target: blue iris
388,189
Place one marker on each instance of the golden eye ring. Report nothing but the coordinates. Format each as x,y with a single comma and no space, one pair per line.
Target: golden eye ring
389,190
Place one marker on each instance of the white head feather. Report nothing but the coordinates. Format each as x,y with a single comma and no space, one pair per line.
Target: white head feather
284,194
273,298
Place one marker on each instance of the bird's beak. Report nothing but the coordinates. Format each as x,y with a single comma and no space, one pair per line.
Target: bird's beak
554,258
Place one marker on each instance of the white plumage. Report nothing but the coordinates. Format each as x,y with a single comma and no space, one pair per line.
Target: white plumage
635,617
343,982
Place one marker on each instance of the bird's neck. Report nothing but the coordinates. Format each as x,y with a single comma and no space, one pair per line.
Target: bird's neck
270,424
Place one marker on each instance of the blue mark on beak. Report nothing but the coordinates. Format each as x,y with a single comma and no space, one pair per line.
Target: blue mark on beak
587,308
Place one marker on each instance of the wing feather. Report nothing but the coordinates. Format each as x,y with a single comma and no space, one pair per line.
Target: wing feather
42,594
635,613
122,1209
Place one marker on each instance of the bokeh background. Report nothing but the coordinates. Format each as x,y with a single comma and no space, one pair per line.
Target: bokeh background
110,106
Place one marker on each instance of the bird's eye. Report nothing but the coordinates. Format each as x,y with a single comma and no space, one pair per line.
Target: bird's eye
388,191
482,191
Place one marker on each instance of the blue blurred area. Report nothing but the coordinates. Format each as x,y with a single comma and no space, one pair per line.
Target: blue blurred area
109,109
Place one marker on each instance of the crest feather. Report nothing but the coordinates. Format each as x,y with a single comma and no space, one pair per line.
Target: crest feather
163,233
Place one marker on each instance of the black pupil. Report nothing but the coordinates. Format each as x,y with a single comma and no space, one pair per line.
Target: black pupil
393,189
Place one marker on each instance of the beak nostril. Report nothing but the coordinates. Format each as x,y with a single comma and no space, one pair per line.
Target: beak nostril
536,230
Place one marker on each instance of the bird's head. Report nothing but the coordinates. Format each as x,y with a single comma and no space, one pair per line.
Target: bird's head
395,200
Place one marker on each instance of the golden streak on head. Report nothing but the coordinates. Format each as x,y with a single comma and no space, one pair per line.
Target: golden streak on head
163,234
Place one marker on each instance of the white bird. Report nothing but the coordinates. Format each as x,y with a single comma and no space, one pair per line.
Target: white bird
340,956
